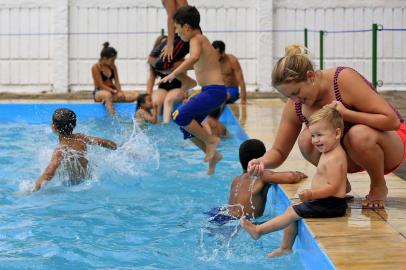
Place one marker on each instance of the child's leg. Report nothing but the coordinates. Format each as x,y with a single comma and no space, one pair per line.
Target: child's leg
275,224
210,142
289,236
173,96
158,98
212,163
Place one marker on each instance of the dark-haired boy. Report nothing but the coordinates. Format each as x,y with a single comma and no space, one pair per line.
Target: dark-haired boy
208,74
71,150
247,195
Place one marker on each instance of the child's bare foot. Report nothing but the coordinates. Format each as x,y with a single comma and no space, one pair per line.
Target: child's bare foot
212,163
250,228
211,149
279,252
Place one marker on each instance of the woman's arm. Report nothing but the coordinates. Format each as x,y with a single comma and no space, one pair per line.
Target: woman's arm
150,81
170,6
116,78
373,110
286,136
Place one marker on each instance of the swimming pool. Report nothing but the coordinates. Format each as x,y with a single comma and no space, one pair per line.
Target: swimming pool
141,209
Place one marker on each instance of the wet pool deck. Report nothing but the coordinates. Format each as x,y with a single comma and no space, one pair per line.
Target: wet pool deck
363,239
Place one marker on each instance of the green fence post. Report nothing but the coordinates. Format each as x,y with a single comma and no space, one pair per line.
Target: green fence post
374,54
321,49
162,31
305,37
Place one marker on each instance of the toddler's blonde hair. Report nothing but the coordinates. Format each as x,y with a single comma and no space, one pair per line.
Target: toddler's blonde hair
328,114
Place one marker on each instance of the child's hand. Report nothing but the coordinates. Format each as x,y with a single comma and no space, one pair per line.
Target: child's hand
255,167
305,195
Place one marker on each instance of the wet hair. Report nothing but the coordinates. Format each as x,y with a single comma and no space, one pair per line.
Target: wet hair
187,15
329,114
107,52
251,149
141,100
64,121
218,44
293,66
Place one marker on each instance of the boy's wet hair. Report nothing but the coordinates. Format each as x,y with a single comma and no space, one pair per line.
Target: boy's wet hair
107,52
251,149
218,44
329,114
64,121
141,100
187,15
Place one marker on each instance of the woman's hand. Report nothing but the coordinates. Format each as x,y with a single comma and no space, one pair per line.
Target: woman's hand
166,53
167,78
338,106
255,167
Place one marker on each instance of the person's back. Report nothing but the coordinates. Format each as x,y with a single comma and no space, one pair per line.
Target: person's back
69,158
248,194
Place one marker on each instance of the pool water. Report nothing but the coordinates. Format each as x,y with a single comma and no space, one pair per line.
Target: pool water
142,207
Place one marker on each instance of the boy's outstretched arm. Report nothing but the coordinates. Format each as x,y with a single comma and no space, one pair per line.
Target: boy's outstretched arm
99,141
50,171
271,177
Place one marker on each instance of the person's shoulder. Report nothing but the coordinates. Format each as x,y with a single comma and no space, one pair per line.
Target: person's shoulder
96,66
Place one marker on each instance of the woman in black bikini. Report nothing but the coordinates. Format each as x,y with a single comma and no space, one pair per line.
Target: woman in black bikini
106,81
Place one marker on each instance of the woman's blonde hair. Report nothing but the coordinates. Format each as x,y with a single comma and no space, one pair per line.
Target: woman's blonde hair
328,114
293,66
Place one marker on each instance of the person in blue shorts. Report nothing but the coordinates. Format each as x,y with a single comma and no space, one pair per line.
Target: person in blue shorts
208,74
232,73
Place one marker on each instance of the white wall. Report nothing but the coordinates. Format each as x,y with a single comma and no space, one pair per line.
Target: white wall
51,45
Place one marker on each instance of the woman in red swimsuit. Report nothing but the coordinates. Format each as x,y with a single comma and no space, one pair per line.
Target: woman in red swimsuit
375,134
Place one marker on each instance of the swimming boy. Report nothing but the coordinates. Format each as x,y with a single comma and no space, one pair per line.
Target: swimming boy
232,73
208,74
70,154
325,198
248,196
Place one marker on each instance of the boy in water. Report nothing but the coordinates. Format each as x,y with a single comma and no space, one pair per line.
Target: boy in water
71,151
208,74
326,198
248,196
